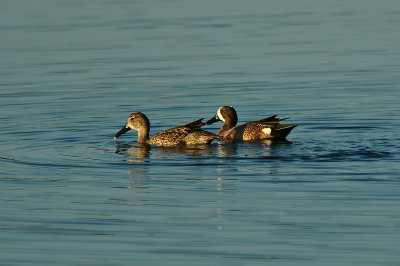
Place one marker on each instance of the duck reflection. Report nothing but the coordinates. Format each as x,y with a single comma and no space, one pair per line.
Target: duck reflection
206,150
133,152
227,150
138,153
229,160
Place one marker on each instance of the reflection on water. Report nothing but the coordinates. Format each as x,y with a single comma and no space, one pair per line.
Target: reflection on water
216,150
133,151
143,151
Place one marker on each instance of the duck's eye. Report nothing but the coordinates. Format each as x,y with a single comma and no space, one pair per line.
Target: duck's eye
131,118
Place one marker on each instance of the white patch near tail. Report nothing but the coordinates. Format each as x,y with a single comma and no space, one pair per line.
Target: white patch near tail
267,131
219,115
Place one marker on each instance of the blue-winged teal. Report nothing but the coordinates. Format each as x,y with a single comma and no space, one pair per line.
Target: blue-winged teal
189,134
267,128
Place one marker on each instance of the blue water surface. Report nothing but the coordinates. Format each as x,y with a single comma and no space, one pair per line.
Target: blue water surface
72,71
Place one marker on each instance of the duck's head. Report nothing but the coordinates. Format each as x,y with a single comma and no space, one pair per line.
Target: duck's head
136,121
226,114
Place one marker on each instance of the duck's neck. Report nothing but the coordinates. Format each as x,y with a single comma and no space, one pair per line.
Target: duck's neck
227,125
143,135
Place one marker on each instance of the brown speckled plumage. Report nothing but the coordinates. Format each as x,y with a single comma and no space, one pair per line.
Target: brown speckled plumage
265,129
189,134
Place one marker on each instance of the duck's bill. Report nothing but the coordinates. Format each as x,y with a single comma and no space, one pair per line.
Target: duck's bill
213,120
122,131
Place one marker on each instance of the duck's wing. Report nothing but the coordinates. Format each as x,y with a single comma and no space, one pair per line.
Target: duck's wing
175,136
170,137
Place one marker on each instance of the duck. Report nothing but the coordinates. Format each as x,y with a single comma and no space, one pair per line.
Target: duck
268,128
188,134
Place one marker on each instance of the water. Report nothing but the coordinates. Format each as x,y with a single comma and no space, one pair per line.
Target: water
72,71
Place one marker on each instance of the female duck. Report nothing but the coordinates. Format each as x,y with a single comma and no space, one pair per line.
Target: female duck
189,134
265,129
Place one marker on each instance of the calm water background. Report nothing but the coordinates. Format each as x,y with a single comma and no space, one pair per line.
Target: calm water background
72,71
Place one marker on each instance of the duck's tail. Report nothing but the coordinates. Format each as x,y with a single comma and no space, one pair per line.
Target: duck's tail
273,119
195,124
281,131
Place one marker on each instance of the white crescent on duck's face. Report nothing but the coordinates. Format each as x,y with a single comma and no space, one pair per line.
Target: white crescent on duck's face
220,115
